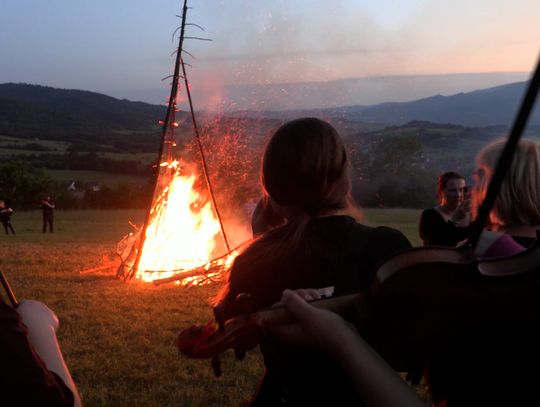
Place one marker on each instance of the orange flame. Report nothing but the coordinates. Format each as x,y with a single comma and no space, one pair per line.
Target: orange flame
181,235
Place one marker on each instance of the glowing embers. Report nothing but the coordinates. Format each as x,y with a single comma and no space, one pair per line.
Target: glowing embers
182,233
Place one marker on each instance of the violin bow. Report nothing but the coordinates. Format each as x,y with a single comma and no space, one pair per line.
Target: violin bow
505,159
9,291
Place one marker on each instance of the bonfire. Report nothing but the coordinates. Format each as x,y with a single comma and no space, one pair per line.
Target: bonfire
183,231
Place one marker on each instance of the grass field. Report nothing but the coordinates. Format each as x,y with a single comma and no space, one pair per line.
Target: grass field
118,338
52,145
103,178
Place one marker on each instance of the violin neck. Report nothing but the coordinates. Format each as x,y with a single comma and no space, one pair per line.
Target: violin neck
339,305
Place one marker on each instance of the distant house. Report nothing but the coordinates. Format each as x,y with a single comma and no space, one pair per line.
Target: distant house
92,186
72,187
75,190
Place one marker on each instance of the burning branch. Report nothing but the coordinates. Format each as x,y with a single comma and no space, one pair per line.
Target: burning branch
212,271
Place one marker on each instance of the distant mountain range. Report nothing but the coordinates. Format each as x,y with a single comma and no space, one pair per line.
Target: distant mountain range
323,94
81,117
495,106
101,110
45,112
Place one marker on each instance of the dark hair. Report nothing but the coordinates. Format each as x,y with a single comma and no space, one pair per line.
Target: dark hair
518,201
305,170
305,165
443,179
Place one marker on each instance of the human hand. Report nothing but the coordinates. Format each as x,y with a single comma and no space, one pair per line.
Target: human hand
307,294
466,205
37,316
314,328
462,211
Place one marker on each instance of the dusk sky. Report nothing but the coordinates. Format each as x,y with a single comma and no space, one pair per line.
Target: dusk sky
124,48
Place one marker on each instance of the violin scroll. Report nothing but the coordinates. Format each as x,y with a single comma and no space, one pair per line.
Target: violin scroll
241,333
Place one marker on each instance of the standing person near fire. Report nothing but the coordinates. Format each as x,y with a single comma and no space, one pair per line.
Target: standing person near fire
47,210
447,224
305,178
5,217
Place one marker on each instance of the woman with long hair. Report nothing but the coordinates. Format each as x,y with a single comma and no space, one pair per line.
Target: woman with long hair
306,180
447,224
516,211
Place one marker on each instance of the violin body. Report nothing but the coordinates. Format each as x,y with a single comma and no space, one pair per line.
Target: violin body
423,297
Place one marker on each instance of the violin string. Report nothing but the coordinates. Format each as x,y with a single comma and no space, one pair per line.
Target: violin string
9,290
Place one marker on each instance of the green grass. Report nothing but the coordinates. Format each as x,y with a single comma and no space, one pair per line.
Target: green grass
102,178
61,147
9,152
53,145
144,158
405,220
117,337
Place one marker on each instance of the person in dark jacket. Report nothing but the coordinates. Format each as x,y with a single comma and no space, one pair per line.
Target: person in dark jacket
5,217
47,210
317,242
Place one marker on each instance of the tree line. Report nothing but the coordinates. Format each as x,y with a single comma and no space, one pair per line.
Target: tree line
23,187
90,161
387,172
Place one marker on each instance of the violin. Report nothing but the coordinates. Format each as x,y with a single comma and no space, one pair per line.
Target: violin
419,298
244,332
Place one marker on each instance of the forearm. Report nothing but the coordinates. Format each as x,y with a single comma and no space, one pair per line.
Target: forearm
46,346
377,383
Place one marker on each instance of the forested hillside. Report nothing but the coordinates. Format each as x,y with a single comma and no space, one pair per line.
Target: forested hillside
52,138
79,117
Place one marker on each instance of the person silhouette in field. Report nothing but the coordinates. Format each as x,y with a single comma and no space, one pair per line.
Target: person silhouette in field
308,236
5,217
47,211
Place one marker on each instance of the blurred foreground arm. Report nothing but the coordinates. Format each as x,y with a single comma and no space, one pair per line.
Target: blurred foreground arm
42,325
32,362
376,382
